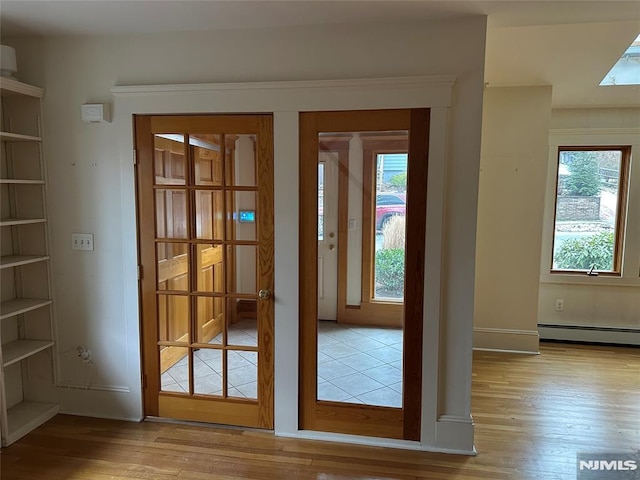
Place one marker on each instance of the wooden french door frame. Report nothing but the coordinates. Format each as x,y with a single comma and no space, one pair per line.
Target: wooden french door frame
388,422
191,406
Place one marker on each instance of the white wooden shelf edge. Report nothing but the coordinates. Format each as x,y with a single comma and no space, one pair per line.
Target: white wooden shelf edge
18,350
9,261
20,181
27,416
17,306
18,137
9,86
7,222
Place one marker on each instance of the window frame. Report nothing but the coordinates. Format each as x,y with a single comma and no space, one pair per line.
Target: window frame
621,213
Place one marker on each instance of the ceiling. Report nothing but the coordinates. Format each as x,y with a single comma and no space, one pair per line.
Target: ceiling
568,44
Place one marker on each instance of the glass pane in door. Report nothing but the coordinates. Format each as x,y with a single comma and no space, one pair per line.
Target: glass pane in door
169,159
210,268
174,371
362,363
207,159
209,213
242,215
242,379
171,213
242,276
240,160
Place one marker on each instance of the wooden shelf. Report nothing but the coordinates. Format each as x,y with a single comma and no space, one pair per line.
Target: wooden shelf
18,306
7,222
17,181
9,261
18,350
26,416
9,87
31,361
18,137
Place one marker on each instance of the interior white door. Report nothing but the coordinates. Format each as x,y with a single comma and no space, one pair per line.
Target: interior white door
328,235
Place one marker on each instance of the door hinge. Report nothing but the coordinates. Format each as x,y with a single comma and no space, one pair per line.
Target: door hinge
139,272
144,380
135,157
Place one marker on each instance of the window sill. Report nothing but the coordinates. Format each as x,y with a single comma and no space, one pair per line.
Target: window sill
599,280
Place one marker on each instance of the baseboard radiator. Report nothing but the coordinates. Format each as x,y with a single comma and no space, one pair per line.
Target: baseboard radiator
590,334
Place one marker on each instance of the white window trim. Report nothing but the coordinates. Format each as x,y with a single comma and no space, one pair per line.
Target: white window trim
630,274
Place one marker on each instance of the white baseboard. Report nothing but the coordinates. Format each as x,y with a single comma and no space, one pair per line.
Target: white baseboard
104,417
501,339
590,334
449,443
454,434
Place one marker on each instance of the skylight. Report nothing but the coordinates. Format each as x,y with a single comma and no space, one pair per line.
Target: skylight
626,71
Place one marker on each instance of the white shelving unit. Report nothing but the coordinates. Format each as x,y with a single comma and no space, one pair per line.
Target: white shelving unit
27,333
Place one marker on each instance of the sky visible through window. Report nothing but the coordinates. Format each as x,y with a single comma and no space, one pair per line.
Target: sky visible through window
626,71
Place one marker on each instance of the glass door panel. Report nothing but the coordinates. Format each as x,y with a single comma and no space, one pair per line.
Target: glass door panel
362,364
241,161
210,214
169,159
207,159
210,268
175,369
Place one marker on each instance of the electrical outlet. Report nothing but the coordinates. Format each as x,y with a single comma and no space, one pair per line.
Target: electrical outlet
82,241
559,305
85,355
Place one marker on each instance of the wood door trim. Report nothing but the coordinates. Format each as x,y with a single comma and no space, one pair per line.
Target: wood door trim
147,285
265,169
362,120
228,124
308,268
414,268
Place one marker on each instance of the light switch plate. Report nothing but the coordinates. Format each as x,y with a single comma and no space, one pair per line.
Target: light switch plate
82,241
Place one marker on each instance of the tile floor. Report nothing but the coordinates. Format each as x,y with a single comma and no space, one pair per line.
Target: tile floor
355,365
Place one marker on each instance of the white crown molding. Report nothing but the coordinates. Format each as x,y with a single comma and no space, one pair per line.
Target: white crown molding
431,80
593,131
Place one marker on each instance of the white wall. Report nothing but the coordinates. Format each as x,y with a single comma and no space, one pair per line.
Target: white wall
513,173
612,303
92,189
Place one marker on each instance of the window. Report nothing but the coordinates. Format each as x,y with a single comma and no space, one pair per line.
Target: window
626,70
591,188
390,226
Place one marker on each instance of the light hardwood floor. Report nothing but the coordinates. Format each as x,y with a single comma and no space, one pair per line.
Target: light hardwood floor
533,414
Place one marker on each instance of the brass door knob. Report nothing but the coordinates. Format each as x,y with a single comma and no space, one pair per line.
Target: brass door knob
264,294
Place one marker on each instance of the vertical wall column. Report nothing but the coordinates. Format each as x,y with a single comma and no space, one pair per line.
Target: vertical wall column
513,166
286,204
354,238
